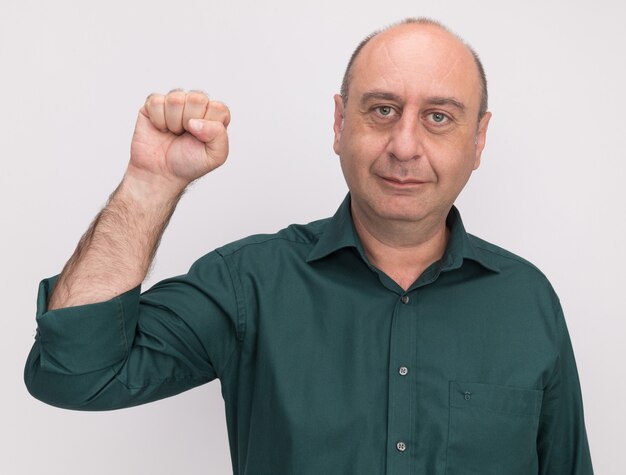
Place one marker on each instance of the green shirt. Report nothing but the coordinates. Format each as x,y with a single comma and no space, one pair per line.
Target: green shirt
328,366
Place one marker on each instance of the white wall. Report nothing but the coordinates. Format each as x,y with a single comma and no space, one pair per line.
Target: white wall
73,76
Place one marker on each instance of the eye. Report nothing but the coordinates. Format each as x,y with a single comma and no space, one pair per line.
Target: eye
438,117
384,111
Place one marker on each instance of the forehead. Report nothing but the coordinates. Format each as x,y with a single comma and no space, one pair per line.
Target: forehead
416,61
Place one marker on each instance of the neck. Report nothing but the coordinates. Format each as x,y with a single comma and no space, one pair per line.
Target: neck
401,249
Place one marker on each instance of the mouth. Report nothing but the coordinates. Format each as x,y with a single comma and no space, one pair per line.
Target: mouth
400,182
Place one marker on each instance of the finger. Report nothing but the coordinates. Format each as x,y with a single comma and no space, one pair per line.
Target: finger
195,106
213,134
219,112
174,106
155,111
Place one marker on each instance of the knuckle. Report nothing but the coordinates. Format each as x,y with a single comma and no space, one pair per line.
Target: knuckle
176,98
199,91
154,100
197,98
219,109
218,106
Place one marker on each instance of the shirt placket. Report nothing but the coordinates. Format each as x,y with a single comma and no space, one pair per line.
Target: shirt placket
402,398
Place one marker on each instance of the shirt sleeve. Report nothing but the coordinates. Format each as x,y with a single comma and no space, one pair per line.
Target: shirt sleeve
136,347
562,444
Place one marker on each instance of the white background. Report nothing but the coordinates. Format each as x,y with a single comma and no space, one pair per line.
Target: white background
73,76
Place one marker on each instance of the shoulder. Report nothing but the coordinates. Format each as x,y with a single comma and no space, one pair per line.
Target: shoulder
517,271
292,236
500,256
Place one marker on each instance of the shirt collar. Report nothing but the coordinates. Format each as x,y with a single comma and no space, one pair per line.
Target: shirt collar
339,232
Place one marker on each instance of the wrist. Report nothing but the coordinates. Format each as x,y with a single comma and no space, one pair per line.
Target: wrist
150,190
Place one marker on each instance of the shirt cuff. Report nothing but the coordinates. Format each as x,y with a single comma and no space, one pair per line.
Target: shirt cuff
85,338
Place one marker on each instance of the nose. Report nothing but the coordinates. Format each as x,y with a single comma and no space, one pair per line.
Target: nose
406,139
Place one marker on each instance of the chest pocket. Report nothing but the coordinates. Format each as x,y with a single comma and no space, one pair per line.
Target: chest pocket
492,429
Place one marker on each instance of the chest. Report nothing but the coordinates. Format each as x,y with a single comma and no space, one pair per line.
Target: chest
325,364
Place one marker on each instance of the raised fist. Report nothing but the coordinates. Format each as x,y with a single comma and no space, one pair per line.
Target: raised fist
179,137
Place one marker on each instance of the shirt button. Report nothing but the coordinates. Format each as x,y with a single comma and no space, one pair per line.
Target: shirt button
405,299
403,370
401,446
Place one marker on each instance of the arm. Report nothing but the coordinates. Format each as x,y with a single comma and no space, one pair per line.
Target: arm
562,444
102,345
115,253
167,154
136,348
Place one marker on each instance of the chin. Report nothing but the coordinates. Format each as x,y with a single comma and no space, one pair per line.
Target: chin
405,217
391,207
405,212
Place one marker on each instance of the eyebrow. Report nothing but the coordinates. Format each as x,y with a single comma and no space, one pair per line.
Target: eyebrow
389,96
446,101
379,95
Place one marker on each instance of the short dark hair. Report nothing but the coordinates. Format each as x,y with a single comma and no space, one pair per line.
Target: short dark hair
347,77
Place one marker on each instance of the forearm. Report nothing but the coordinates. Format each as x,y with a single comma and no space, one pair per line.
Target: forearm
116,252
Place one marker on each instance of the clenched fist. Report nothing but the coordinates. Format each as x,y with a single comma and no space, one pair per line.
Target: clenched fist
178,138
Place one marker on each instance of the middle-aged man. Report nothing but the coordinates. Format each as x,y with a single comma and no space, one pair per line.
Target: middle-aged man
383,340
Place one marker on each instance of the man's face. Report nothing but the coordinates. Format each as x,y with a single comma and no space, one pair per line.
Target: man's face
409,136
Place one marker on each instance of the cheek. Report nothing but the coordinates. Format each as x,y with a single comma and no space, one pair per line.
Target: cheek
451,160
455,171
360,147
353,168
363,133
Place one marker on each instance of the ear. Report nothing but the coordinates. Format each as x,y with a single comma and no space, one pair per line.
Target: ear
481,138
338,124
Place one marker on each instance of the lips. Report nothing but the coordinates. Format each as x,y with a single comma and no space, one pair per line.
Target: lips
401,181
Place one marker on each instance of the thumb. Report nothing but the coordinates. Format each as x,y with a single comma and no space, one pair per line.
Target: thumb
204,130
213,134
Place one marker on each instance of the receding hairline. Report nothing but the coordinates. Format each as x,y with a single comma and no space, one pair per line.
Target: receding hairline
347,77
